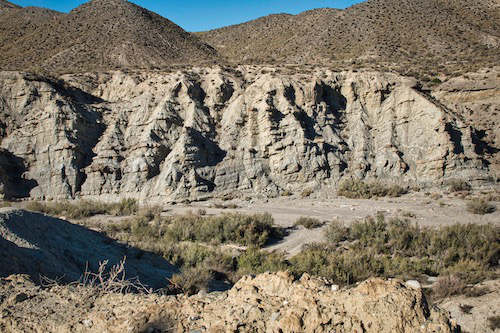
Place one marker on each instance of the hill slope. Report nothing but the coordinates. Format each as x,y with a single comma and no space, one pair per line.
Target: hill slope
422,31
101,34
5,4
20,22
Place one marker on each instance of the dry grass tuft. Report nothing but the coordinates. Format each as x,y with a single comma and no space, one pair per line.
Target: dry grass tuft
309,223
480,207
357,189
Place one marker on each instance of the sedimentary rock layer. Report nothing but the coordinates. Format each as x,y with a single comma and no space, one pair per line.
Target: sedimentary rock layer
212,131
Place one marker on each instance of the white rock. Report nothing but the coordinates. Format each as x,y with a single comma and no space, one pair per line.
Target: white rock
414,284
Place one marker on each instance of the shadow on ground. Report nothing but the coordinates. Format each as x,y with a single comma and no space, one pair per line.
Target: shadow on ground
40,245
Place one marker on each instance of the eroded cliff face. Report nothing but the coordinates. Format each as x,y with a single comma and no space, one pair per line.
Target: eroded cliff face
210,132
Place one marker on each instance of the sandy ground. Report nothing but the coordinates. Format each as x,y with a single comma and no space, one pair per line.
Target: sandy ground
286,210
472,313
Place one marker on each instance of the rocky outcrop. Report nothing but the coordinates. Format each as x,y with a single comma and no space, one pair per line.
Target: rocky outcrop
265,303
212,131
475,97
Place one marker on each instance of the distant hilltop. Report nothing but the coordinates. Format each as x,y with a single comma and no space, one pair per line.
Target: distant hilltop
109,34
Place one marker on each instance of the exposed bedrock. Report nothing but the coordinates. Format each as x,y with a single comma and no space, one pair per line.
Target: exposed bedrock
208,132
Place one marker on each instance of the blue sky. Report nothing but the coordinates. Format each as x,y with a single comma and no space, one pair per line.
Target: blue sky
198,15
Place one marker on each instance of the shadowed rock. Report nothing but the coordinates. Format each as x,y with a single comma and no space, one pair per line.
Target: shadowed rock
43,246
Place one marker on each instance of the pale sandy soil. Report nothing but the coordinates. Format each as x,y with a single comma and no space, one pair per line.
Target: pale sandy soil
472,313
286,210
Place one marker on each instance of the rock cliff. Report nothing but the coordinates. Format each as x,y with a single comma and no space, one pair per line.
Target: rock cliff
212,131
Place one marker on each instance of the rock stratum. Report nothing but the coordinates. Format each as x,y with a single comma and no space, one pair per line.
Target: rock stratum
265,303
213,131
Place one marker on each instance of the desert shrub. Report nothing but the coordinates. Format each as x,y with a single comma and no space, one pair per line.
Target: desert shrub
84,208
341,267
409,214
248,230
398,248
150,212
309,222
306,193
75,210
436,81
457,185
480,207
124,207
165,324
192,279
357,189
336,232
447,286
255,261
470,271
476,291
286,193
492,196
224,206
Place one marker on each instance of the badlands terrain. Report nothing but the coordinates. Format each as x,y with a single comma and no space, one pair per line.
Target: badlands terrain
332,171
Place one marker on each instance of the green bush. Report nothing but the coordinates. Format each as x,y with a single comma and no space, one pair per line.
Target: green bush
255,261
357,189
309,223
247,230
374,246
336,232
397,248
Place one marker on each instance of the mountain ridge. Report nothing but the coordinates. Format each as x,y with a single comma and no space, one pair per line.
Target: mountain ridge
417,33
102,35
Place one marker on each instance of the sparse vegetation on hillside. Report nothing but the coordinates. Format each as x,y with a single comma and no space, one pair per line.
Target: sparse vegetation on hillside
357,189
413,37
111,35
447,286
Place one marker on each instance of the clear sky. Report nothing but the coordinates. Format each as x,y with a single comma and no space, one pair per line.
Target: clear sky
198,15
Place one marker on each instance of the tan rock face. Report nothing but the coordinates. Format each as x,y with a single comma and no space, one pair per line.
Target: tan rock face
208,131
265,303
